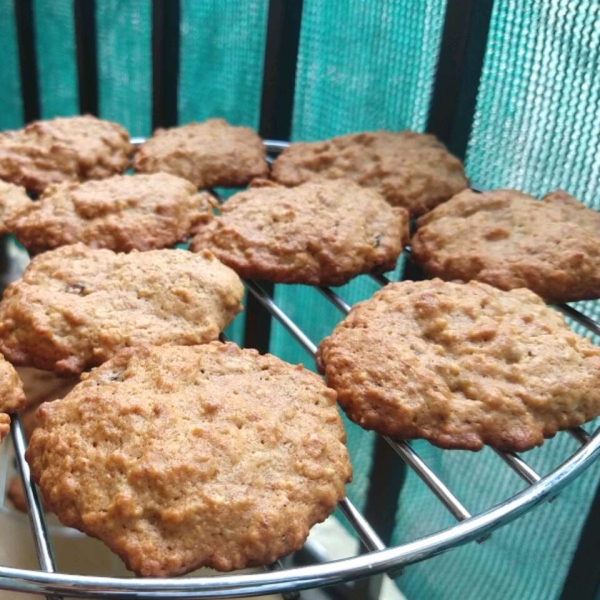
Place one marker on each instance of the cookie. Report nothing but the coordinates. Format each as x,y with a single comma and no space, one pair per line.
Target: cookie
63,149
14,203
408,169
461,365
318,233
510,240
38,386
182,457
122,213
208,154
75,306
12,397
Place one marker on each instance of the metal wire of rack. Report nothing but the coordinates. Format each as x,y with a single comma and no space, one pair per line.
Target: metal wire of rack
276,579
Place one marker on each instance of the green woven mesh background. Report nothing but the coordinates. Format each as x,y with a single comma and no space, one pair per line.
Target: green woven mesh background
222,51
124,63
365,66
55,45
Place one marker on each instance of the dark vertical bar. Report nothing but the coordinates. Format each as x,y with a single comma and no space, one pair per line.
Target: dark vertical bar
386,479
27,60
388,473
165,62
84,12
277,103
460,63
583,579
279,77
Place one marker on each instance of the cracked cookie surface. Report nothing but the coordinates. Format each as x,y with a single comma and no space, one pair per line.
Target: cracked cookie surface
510,240
63,149
121,213
408,169
461,365
181,457
318,233
209,154
76,306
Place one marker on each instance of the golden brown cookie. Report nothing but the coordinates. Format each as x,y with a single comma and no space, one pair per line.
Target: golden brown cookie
208,154
461,365
510,240
12,397
63,149
408,169
39,386
14,203
321,233
75,306
122,213
181,457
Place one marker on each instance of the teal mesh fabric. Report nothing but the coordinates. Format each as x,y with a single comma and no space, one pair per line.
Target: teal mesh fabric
361,66
365,65
56,59
222,52
536,126
527,559
11,112
125,63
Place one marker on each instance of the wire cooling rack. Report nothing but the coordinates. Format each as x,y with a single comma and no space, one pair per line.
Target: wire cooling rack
276,579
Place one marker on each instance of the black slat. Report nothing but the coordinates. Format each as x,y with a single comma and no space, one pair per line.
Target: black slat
165,62
279,76
460,62
277,104
27,59
84,12
387,477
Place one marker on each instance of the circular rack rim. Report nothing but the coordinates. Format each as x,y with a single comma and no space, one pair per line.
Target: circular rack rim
320,575
312,576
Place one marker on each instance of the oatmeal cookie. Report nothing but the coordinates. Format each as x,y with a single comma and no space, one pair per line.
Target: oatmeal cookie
208,154
182,457
75,306
408,169
63,149
14,203
12,397
122,213
318,233
461,365
510,240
